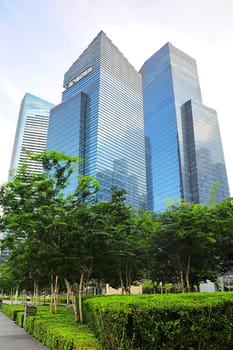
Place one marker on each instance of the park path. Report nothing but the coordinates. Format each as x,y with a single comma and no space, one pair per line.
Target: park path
13,337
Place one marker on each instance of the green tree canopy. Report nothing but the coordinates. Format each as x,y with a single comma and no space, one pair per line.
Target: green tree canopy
184,245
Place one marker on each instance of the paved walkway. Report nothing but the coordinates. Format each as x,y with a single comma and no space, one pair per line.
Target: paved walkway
13,337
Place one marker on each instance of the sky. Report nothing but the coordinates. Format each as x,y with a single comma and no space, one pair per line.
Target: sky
39,41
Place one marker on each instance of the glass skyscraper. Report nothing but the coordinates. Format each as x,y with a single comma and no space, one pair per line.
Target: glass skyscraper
31,132
100,119
183,144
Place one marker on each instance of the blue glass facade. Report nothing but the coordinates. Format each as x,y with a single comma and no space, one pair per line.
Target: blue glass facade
204,153
174,167
100,119
66,134
31,132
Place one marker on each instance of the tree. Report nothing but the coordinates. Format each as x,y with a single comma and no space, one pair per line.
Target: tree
7,278
185,245
80,240
55,231
125,242
222,215
34,214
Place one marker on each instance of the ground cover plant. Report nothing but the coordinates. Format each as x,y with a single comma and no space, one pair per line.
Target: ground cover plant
184,321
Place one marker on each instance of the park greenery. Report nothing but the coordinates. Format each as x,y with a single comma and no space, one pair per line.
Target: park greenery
141,322
57,331
165,322
70,240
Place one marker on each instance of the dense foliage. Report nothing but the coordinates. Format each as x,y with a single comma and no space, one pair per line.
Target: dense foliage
57,331
174,321
143,322
67,240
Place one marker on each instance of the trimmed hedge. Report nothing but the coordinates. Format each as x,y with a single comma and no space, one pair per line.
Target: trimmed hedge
11,310
57,331
197,321
20,318
145,322
60,331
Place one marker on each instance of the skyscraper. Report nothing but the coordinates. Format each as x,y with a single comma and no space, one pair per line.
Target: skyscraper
31,132
183,144
100,119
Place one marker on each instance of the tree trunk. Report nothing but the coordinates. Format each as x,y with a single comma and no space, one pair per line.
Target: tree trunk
54,294
128,280
72,295
122,284
16,293
187,274
35,292
24,297
68,298
80,290
182,281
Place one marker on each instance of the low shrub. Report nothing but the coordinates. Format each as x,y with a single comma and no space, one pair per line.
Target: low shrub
60,331
57,331
145,322
11,310
142,322
20,318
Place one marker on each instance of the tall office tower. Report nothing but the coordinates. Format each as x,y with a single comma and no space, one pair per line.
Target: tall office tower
100,119
31,132
184,150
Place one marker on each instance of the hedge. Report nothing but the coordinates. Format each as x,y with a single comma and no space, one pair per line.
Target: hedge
57,331
198,321
11,310
145,322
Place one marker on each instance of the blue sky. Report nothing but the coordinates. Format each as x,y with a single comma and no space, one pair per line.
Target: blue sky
41,39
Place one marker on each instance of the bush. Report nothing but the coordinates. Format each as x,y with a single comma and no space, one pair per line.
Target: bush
145,322
57,331
141,322
60,331
20,318
12,310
